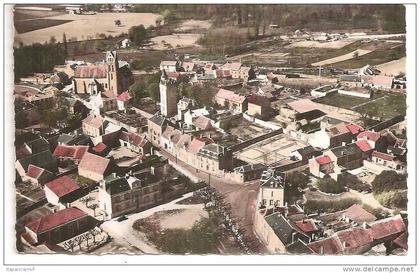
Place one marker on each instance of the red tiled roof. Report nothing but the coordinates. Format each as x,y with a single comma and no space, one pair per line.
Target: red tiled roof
58,218
387,227
124,96
34,171
306,225
383,156
202,122
220,73
230,96
363,145
258,100
62,186
172,75
91,71
354,129
401,241
75,152
379,80
133,138
356,237
369,135
100,147
232,66
197,143
358,214
328,246
303,105
94,121
94,163
322,160
22,152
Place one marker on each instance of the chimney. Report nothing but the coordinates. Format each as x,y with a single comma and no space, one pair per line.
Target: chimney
152,170
293,237
365,225
344,244
321,250
343,143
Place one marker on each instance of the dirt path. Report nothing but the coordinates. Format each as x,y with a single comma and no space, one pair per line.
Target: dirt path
344,57
393,67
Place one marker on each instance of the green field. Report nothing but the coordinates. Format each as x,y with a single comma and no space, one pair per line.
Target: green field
387,104
342,101
390,106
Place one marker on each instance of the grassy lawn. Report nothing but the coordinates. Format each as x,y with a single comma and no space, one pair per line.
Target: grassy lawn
392,105
341,101
202,238
376,57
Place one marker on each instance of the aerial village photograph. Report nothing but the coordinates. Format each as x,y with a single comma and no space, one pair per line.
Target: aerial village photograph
261,129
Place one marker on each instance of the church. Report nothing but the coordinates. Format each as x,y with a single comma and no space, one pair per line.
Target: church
110,76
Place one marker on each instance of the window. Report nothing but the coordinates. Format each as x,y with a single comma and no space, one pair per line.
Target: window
272,193
271,202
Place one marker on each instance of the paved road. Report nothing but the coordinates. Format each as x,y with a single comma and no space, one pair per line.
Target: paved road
241,197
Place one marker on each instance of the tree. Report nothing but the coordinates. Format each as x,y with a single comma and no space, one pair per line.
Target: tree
356,54
53,40
154,92
294,183
117,22
93,207
79,241
94,232
70,244
87,199
137,34
329,185
389,181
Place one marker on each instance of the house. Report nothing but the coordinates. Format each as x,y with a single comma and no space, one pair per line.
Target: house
101,149
74,139
301,109
94,167
37,175
277,232
44,160
387,160
67,152
229,99
61,191
125,43
203,123
94,125
185,104
271,191
170,137
156,125
190,116
369,70
268,91
258,106
169,66
323,91
347,156
249,172
39,144
378,81
234,68
375,140
321,166
335,135
121,195
304,154
59,226
129,120
123,100
135,142
307,226
246,73
188,66
359,240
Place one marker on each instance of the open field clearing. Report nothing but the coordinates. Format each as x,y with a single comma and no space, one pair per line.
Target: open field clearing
386,53
190,25
31,25
316,44
83,27
351,55
174,41
393,67
183,219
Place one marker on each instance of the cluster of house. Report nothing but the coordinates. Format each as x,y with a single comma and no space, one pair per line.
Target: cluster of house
287,229
370,77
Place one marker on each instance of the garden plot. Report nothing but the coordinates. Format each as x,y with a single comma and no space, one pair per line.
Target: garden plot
174,41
